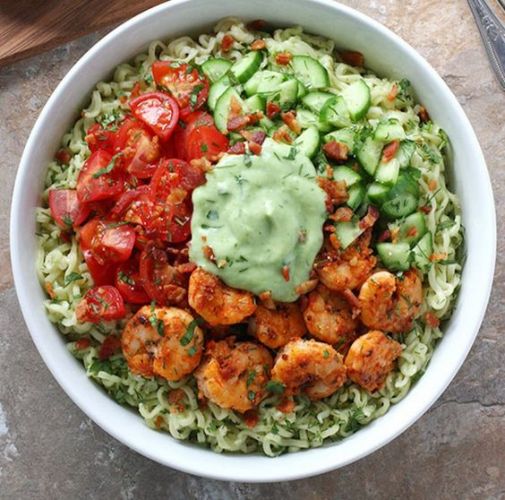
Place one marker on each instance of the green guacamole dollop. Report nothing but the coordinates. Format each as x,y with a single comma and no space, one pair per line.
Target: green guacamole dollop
262,217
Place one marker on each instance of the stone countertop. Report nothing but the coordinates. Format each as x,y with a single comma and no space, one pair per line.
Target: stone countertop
50,449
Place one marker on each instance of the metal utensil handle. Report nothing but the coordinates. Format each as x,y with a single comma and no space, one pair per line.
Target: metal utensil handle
492,32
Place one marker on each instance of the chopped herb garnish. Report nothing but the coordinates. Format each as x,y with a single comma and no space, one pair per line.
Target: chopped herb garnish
107,169
72,277
67,220
326,354
251,395
126,279
213,215
247,160
192,350
204,148
250,378
292,153
275,387
190,332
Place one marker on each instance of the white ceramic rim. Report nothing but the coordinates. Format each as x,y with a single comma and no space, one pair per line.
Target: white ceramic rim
189,458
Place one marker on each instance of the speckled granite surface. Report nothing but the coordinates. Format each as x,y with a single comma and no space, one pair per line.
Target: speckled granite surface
49,449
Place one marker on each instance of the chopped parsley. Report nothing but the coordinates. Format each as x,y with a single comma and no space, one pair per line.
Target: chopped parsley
250,378
72,277
251,395
126,279
204,148
275,387
213,215
190,332
107,169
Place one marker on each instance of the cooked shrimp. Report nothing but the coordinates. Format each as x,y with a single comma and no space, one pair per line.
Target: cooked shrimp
370,359
328,316
389,303
162,341
217,303
347,269
277,327
234,374
308,366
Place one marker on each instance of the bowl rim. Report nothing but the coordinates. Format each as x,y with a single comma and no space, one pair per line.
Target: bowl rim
307,468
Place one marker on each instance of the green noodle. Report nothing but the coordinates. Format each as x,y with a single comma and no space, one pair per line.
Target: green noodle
61,264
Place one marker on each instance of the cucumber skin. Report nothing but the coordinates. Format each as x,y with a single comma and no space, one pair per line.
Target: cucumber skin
358,108
222,109
316,74
395,256
214,75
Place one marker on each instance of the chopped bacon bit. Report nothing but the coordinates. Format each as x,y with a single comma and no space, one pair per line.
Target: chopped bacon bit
353,58
336,151
335,243
257,25
371,217
336,192
392,93
266,300
306,286
186,268
431,320
136,90
123,99
282,135
258,44
238,148
49,289
285,273
251,418
258,136
395,232
176,398
82,344
235,107
110,345
176,196
202,163
384,236
423,114
287,405
273,110
389,151
255,148
289,118
329,171
226,43
255,117
63,156
329,228
159,421
435,257
342,214
351,299
412,232
208,253
432,184
237,123
283,58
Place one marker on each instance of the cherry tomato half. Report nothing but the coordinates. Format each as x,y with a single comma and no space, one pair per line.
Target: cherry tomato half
186,85
205,142
172,174
135,206
129,283
158,111
101,303
184,129
66,209
99,138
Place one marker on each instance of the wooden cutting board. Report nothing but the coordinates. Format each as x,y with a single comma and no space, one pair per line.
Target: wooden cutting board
28,27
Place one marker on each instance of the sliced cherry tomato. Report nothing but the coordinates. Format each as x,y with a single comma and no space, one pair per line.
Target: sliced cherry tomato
101,274
138,148
187,86
100,178
158,111
66,209
185,128
101,303
173,223
108,243
161,280
100,138
206,142
110,346
172,174
129,283
135,206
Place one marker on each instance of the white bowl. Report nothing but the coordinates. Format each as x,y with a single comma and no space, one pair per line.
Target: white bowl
386,54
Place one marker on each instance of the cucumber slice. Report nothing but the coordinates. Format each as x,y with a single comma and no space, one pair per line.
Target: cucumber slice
390,130
302,90
310,72
347,232
214,69
400,206
255,103
395,256
358,100
346,174
370,154
413,228
216,90
263,82
316,100
405,152
377,193
306,118
344,135
356,196
387,173
288,92
422,252
222,109
308,141
334,112
267,125
246,66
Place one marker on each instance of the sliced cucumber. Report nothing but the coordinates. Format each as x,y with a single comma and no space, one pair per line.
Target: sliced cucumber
346,174
356,196
395,256
413,228
216,90
334,112
344,135
422,252
214,69
347,232
387,172
390,130
308,141
377,193
370,154
255,103
357,98
405,152
246,66
316,100
310,72
222,109
306,118
400,206
263,82
288,93
302,90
